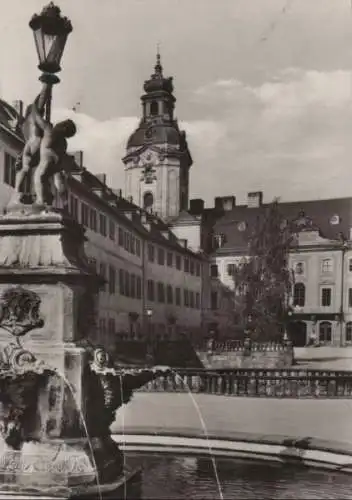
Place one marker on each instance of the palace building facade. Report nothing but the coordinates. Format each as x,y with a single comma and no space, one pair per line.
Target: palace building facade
168,261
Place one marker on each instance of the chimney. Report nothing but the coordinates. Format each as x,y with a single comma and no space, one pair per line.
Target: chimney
78,157
228,203
255,199
117,192
101,178
218,203
18,107
183,242
196,206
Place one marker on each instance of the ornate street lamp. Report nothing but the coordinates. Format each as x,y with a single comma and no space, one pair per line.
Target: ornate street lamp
150,344
50,32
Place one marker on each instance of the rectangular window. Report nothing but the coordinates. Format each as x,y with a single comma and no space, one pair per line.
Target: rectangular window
133,286
326,297
192,267
185,298
350,265
102,224
84,214
127,284
178,262
161,257
231,269
10,170
197,269
214,273
74,207
350,297
139,287
151,253
186,265
112,230
122,281
197,300
138,247
133,245
214,300
178,296
120,236
191,300
102,325
112,280
326,266
93,219
169,259
102,272
161,293
127,242
111,326
150,290
169,294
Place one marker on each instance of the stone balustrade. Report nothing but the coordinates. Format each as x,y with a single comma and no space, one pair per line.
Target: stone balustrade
282,383
240,346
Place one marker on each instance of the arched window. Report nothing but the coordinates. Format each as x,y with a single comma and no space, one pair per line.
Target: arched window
148,201
299,295
154,108
349,331
325,329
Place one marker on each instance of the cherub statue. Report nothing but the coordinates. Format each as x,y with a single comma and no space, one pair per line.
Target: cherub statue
29,157
53,147
44,150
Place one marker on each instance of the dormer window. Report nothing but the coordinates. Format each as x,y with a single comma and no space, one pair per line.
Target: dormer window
219,240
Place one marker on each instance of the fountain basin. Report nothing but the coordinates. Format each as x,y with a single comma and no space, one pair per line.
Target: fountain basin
309,452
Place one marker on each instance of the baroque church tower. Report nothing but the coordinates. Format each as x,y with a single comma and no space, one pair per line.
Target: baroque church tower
157,162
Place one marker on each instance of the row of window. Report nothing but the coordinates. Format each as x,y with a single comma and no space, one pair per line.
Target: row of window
130,285
170,259
299,295
327,267
159,292
100,223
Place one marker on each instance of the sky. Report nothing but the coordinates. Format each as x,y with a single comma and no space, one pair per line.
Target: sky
263,87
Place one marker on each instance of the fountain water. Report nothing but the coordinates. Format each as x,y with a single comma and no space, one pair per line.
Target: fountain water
205,430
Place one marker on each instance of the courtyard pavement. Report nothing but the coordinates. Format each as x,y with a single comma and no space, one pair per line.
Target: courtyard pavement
326,420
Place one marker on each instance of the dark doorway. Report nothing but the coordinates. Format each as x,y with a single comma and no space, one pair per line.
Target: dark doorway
298,333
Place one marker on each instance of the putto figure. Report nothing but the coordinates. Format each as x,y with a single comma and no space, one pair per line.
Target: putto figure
44,151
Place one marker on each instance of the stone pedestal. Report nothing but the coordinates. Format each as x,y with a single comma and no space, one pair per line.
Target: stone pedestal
47,292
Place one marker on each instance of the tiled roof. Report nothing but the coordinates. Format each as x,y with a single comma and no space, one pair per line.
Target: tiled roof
332,217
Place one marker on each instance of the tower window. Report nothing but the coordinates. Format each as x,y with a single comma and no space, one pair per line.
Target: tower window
148,201
154,108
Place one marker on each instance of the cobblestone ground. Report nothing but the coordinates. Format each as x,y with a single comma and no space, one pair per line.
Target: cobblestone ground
322,419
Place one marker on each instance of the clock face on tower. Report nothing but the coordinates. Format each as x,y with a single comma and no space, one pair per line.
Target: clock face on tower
148,157
149,133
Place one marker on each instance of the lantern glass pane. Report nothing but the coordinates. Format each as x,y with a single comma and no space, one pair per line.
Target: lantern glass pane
56,49
39,43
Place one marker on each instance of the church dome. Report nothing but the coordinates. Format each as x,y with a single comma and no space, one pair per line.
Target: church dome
160,133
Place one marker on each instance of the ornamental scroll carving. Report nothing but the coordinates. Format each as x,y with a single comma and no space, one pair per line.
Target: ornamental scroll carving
19,311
